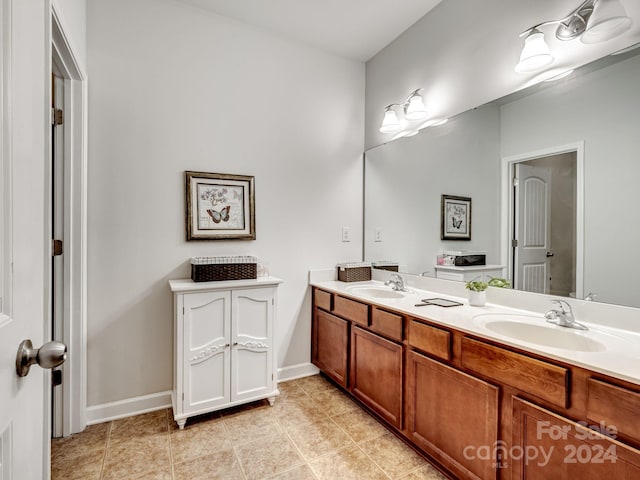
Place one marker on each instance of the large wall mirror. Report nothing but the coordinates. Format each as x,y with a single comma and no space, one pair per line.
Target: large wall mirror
568,151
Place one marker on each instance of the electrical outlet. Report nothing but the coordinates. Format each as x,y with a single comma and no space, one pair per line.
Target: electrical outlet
378,235
346,234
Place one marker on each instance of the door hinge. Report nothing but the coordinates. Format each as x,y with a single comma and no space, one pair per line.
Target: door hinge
56,378
57,116
273,301
514,243
56,247
516,182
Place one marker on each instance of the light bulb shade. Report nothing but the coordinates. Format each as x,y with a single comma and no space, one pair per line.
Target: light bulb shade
415,109
390,122
608,20
535,53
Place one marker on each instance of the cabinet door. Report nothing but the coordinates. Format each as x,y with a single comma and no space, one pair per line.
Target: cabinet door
376,374
556,447
252,343
452,416
206,355
330,339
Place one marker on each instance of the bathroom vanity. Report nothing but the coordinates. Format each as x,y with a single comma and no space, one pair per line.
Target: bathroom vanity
224,354
484,405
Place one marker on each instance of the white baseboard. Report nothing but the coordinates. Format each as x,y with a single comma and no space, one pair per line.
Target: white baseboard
297,371
156,401
128,407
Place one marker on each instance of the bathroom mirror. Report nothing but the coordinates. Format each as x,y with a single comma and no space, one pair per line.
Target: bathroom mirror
592,114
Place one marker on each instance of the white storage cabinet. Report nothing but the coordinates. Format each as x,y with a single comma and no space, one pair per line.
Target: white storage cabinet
224,352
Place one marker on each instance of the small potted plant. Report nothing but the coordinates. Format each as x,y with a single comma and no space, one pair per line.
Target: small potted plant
477,292
499,282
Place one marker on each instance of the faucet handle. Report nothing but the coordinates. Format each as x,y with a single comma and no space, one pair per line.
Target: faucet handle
561,304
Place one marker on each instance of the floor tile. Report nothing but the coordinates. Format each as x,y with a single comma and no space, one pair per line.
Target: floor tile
319,438
334,402
251,426
347,464
217,466
314,384
148,424
86,466
296,411
302,472
136,456
427,472
199,439
94,438
268,457
359,425
392,455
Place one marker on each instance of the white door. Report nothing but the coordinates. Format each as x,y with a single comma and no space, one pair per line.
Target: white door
252,338
206,343
532,252
24,245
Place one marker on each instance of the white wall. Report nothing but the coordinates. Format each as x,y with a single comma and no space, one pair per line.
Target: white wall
73,17
174,88
601,109
404,181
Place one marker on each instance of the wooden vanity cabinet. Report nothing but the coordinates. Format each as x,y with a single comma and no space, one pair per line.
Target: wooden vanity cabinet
377,374
450,414
330,348
557,448
474,405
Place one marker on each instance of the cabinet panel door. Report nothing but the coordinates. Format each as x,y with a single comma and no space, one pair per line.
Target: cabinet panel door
556,447
251,343
206,359
329,345
451,415
376,374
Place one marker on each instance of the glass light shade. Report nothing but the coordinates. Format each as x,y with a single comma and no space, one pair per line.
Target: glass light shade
535,53
415,109
390,122
608,20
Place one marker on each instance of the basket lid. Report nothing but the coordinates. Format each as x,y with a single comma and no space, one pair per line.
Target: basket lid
220,260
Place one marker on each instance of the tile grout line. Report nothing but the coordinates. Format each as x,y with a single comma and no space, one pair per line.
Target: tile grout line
168,420
106,448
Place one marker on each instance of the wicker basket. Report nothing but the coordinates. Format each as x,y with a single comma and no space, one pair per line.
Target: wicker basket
385,265
215,269
354,271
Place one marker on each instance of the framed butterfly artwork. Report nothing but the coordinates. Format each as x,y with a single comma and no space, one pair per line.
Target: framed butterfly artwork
219,206
455,220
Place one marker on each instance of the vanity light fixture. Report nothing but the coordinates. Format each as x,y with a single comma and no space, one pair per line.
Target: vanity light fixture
594,21
557,75
390,122
413,109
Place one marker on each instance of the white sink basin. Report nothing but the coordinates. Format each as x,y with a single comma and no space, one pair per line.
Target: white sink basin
535,330
375,292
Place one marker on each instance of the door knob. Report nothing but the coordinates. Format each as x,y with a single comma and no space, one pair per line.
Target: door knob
549,254
50,355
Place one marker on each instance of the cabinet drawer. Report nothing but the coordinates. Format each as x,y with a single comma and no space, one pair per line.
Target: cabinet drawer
545,380
351,310
323,299
387,323
432,340
615,406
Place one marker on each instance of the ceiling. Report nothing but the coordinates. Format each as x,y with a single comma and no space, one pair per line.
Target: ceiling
355,29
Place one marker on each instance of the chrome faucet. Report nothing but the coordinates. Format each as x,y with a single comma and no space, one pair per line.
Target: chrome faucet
563,316
397,283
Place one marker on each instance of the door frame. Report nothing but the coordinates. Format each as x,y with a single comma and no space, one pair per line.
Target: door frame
74,403
507,208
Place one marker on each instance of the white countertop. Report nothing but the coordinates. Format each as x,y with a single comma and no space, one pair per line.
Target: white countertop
187,285
468,268
619,359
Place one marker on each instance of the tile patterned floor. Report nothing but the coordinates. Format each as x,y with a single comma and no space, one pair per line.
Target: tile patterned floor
313,432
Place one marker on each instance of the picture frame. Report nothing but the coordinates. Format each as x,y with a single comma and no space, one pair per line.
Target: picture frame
219,206
455,218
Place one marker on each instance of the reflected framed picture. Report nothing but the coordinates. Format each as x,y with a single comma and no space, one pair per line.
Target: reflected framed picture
219,206
455,218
